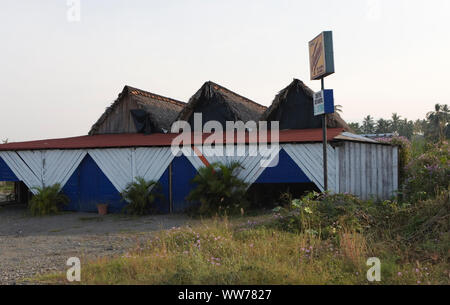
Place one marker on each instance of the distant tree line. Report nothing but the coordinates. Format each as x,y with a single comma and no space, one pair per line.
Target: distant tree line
435,127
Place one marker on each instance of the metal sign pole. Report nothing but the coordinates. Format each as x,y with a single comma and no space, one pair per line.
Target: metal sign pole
324,142
321,62
170,189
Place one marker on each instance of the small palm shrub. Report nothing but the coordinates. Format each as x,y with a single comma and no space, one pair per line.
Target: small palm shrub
48,200
141,196
218,190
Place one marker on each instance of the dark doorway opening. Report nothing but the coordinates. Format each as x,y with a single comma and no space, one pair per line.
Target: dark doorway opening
14,192
270,195
22,192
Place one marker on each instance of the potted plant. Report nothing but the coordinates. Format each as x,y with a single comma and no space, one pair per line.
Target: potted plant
102,208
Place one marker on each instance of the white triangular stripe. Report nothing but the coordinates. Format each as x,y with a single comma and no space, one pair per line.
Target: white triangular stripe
309,158
123,165
152,162
252,167
34,160
44,167
193,158
115,163
21,170
60,165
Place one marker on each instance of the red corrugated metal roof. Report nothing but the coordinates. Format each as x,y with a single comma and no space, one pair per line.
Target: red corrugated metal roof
136,140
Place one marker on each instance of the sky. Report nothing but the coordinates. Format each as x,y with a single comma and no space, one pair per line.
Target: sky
62,64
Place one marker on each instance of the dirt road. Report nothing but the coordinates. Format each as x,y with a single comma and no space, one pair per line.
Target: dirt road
33,245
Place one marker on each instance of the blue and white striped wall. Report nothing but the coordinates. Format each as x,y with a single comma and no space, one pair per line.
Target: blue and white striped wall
95,176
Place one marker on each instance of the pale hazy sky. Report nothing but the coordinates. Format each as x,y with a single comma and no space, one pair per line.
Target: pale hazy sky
57,77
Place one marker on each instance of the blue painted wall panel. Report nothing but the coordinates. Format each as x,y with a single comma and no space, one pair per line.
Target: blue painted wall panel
287,171
162,204
182,174
6,174
88,186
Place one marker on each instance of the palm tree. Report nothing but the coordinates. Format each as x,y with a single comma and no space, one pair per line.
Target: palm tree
406,128
338,108
420,126
395,122
355,127
368,125
438,121
383,126
141,195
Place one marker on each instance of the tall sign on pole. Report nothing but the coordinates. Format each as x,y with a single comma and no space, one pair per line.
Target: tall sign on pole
321,58
321,63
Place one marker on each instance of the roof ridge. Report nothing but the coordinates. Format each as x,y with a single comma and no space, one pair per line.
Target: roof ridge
156,139
134,91
236,94
303,85
137,91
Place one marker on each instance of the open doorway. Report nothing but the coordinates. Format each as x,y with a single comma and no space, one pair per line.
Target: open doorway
7,192
270,195
14,192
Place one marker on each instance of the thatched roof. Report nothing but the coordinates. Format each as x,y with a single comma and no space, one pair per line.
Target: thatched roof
230,105
161,110
303,112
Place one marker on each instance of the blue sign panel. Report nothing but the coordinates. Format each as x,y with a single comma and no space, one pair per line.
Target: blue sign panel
323,102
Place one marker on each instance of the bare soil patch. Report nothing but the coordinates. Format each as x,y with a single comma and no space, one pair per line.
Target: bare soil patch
34,245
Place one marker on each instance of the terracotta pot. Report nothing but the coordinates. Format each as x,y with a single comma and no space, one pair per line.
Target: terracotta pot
102,208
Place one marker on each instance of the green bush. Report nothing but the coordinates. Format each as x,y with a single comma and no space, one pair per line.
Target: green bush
327,215
141,196
48,200
425,219
218,190
428,174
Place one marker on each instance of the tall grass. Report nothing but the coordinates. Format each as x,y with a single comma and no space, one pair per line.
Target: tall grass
221,252
318,239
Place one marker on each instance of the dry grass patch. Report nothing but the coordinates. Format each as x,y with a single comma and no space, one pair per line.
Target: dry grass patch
218,252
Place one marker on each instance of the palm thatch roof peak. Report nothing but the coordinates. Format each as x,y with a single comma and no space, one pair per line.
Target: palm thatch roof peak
240,107
161,110
302,114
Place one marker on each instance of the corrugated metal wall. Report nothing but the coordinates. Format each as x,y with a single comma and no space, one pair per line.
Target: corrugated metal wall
367,170
251,164
6,174
309,157
88,186
286,171
122,165
38,168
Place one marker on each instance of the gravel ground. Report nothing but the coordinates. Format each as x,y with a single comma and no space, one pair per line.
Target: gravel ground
35,245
